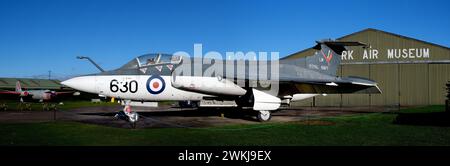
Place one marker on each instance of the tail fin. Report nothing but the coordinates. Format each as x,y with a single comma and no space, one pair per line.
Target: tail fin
327,57
18,87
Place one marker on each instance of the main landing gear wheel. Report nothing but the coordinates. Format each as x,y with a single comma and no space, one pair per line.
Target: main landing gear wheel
264,116
133,118
128,115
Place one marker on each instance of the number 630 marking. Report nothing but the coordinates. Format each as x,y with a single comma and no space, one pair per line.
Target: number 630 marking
131,86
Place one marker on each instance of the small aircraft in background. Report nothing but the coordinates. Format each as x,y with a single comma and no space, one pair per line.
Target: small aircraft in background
152,77
43,96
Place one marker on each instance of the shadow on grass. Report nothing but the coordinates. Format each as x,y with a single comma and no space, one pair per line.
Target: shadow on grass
424,119
227,112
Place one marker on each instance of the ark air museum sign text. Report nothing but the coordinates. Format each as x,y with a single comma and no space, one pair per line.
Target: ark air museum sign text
389,54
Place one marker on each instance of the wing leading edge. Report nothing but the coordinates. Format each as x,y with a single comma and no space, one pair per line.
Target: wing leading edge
342,85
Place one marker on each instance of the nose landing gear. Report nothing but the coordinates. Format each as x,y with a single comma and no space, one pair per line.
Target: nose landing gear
128,115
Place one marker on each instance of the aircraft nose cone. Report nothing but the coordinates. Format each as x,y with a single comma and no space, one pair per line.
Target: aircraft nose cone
84,83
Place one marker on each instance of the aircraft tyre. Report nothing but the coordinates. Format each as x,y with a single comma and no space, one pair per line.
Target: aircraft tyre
264,116
133,118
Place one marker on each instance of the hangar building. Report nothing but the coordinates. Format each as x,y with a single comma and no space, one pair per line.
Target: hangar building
30,83
408,71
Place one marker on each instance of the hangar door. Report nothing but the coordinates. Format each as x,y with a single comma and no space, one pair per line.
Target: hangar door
414,84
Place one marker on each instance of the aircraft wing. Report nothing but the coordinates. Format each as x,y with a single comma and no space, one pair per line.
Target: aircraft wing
343,85
321,85
225,87
10,92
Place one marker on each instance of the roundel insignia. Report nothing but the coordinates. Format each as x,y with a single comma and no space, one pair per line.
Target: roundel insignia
155,84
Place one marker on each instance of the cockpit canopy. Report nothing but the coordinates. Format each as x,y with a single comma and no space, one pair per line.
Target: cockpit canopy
152,59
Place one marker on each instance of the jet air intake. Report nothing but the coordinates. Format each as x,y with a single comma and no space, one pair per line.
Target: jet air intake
207,85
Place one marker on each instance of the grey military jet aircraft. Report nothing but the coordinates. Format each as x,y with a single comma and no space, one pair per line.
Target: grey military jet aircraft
157,77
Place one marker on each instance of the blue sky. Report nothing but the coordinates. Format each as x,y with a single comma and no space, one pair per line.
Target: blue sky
41,35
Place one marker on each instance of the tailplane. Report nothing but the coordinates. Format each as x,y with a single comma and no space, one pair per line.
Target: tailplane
327,56
18,87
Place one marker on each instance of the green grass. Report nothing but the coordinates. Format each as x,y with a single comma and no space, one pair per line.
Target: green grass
359,130
36,106
428,109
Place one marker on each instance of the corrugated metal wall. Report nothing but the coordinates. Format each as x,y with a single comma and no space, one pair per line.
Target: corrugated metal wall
414,84
388,80
440,74
405,84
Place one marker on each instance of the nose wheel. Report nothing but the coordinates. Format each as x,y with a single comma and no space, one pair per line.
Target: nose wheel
133,117
128,115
